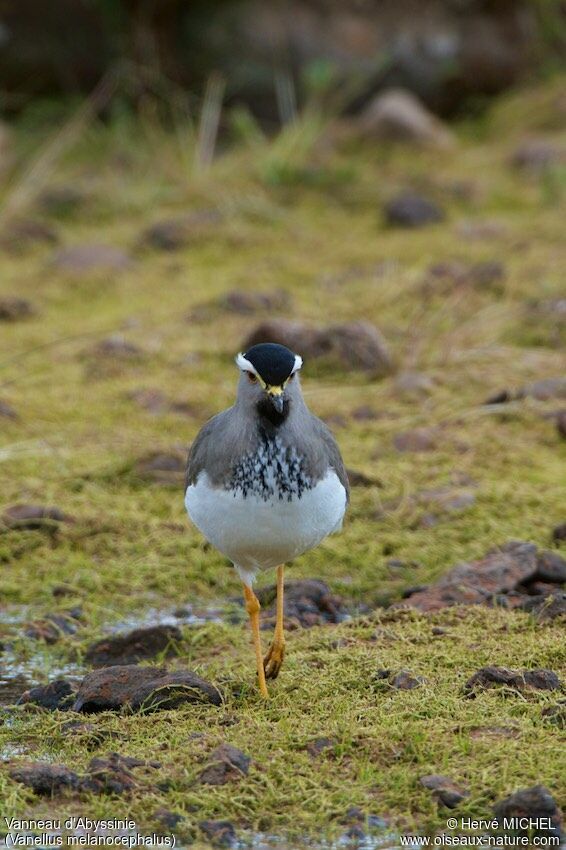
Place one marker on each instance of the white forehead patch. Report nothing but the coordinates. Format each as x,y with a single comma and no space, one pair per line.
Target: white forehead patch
245,365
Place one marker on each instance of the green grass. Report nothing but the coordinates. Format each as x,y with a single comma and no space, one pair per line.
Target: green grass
305,217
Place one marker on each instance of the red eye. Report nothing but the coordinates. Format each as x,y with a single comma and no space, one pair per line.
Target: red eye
251,377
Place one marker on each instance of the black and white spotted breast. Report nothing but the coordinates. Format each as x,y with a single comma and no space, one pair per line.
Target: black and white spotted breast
273,471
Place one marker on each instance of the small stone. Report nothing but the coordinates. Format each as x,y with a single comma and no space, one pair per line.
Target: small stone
90,259
142,689
33,517
226,764
444,789
133,647
161,468
559,532
481,230
487,274
57,695
561,424
7,411
521,680
364,413
53,627
405,681
547,608
316,747
167,818
411,210
308,603
416,440
397,115
116,347
551,567
19,236
556,714
537,155
46,780
535,802
242,302
413,384
545,390
220,833
173,234
15,309
360,479
112,775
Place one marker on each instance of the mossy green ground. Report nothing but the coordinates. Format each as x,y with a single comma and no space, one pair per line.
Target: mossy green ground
300,216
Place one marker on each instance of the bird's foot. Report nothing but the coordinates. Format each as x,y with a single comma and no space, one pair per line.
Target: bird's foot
274,659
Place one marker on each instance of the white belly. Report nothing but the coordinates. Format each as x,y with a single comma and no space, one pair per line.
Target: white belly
257,533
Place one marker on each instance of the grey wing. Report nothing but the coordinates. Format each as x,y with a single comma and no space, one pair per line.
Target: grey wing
202,450
333,455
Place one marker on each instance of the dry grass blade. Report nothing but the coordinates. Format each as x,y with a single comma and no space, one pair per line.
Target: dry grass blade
209,122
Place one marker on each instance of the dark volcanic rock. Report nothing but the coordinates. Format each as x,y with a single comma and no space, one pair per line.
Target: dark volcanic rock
54,626
226,764
45,779
360,479
307,603
142,688
532,802
242,303
559,532
112,775
543,390
444,789
168,819
220,833
15,309
499,572
405,681
91,258
32,517
172,234
352,346
416,440
521,680
161,468
21,235
7,411
319,745
538,155
551,567
116,347
546,608
411,210
137,645
556,714
58,694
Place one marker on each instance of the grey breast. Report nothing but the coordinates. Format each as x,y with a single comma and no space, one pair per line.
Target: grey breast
262,460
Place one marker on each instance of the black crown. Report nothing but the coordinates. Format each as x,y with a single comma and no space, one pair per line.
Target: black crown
273,363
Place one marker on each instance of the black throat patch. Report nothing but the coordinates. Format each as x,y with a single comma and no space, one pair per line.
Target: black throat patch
268,413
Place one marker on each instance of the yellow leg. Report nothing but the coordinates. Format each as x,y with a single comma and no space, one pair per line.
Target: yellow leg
253,608
276,652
